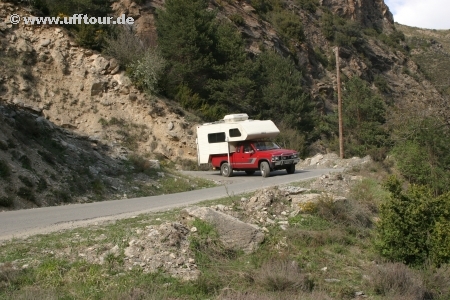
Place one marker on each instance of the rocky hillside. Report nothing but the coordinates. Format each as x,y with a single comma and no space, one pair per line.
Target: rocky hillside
67,110
430,49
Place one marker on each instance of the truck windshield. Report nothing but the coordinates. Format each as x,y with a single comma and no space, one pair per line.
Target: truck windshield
262,145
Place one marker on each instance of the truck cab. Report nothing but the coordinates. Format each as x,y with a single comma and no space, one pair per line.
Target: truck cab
251,156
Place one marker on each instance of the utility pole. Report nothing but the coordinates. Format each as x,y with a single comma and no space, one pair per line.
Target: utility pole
338,78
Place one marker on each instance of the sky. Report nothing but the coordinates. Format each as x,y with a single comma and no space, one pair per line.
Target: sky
430,14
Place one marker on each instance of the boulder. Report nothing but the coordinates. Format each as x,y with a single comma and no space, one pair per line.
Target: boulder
98,88
234,234
45,42
315,160
101,64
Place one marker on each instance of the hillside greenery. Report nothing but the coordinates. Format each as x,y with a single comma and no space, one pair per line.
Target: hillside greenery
200,62
209,71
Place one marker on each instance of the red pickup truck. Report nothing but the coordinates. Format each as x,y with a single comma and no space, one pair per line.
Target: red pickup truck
250,156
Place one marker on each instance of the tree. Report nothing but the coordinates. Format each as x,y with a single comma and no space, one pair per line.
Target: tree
364,118
422,152
186,32
280,94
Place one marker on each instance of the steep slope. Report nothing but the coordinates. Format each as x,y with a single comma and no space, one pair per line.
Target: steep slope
373,54
77,89
430,49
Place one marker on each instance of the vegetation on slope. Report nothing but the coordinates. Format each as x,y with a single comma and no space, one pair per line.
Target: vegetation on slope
206,69
326,252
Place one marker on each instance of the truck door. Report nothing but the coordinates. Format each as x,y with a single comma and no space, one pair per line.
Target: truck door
246,157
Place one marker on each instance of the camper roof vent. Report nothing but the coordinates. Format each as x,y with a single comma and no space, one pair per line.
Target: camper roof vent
235,118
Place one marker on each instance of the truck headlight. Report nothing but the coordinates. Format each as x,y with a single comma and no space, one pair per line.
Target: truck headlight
295,155
276,158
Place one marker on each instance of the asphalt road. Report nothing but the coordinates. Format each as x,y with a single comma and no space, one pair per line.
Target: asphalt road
23,223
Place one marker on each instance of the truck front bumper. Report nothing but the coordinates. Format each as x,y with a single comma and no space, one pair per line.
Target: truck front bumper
282,164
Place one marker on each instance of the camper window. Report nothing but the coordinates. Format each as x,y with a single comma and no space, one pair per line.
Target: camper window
218,137
234,132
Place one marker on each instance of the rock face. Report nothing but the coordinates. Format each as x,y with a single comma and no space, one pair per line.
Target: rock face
369,13
234,234
82,90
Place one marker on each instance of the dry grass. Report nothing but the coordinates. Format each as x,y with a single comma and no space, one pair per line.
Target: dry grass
229,294
282,275
397,280
344,212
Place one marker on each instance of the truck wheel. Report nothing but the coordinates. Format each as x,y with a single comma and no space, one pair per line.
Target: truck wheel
290,169
250,172
265,169
226,170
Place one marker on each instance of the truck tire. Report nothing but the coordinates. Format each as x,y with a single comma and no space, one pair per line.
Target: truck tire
226,170
290,169
250,172
265,169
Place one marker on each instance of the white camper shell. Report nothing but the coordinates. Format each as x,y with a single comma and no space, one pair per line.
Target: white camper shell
222,136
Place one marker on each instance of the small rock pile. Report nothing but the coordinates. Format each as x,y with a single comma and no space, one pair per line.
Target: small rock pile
332,160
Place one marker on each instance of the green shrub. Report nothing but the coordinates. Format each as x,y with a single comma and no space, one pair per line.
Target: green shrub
5,170
309,5
25,180
3,145
342,32
237,19
26,193
291,139
42,184
6,201
321,57
91,36
289,25
88,35
62,196
364,116
414,225
381,83
422,152
440,240
146,72
48,157
26,162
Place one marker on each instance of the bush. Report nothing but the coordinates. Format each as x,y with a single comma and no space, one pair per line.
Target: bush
125,46
26,181
26,162
283,275
5,170
364,115
146,72
237,19
26,193
291,139
6,201
288,25
414,225
309,5
422,153
381,83
344,212
397,280
91,36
